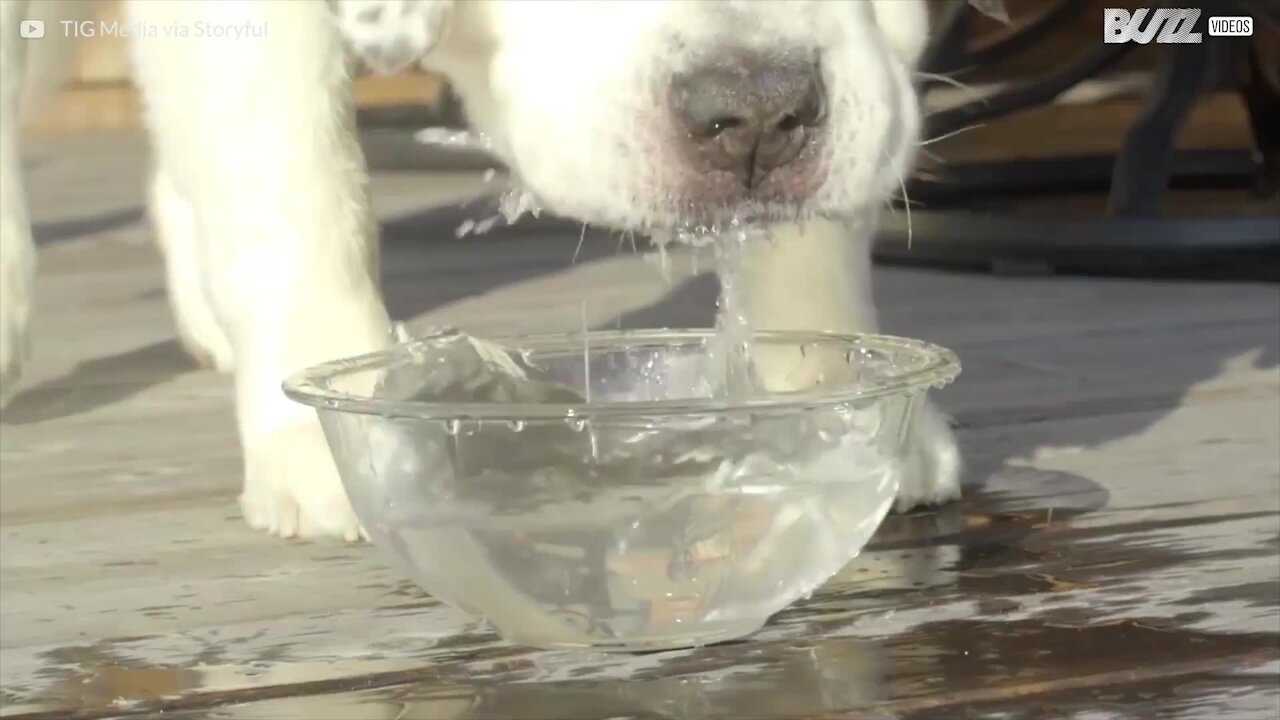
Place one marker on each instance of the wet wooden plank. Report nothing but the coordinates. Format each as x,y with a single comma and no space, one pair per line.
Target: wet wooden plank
1124,435
1020,587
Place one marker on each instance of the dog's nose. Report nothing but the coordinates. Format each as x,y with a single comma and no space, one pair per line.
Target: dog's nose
750,114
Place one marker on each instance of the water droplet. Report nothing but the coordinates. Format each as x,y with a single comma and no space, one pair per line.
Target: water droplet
486,225
453,426
516,425
449,137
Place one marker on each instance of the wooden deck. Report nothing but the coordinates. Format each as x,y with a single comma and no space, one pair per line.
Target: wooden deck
1117,554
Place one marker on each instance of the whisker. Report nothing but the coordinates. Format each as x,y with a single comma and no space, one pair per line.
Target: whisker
581,238
949,81
902,200
906,204
935,157
951,134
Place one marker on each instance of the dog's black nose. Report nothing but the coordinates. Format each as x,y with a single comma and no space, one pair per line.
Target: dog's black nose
750,114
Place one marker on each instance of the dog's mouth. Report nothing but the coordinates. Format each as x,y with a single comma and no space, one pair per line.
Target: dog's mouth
717,221
689,224
706,204
702,203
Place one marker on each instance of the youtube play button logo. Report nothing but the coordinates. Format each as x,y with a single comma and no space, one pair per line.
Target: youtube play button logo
31,29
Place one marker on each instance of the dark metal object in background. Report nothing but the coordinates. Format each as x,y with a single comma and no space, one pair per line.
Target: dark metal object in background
959,224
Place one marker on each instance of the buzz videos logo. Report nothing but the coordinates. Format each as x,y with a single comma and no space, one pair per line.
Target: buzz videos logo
1168,26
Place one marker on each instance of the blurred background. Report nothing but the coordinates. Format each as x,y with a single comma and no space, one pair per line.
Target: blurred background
1047,151
1033,118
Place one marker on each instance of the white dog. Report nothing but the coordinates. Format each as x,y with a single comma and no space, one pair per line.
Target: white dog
638,114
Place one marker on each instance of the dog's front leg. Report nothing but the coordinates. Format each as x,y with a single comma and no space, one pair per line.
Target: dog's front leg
251,111
17,251
818,277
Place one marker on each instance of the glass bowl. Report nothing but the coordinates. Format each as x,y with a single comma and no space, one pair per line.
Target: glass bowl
596,490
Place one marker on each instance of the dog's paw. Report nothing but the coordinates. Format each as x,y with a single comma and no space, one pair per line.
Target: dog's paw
931,472
208,353
13,350
292,488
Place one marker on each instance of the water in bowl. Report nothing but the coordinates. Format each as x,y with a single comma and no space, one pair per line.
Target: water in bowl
645,566
672,533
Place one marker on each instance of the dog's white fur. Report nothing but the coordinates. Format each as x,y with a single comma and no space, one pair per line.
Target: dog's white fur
260,204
